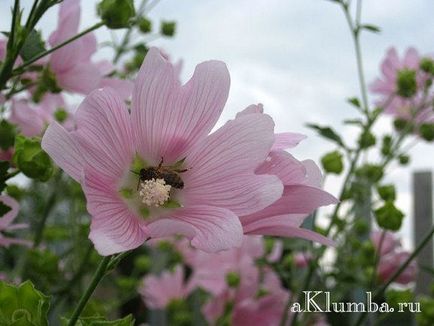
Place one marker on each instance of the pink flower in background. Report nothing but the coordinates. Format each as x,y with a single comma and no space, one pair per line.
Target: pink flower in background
414,106
6,223
392,256
72,64
158,291
302,192
217,180
32,119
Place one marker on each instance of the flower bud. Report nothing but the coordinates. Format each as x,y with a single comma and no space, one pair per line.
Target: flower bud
168,28
116,13
31,159
427,65
145,25
389,217
403,159
370,172
386,147
427,131
61,115
233,279
406,83
332,162
387,193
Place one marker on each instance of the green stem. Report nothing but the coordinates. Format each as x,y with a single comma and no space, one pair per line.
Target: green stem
377,258
398,272
72,39
98,276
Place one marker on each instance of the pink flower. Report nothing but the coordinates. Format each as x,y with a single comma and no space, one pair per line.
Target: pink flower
6,223
72,64
414,107
158,291
392,256
32,120
171,122
302,190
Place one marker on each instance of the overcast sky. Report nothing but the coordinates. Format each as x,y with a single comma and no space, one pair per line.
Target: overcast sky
294,56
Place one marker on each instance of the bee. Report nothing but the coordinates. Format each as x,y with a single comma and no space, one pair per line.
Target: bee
170,176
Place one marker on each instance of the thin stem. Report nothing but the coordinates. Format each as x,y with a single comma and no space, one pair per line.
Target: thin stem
398,272
377,258
126,39
43,54
98,276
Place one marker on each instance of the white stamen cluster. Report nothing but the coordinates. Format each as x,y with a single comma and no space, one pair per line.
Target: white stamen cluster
154,192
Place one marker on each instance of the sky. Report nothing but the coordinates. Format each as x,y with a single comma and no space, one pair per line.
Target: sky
294,56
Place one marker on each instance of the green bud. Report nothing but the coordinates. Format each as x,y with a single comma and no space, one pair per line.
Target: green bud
332,162
427,65
406,83
427,131
14,191
401,124
61,115
287,261
31,159
367,140
7,135
126,283
389,217
386,147
116,13
145,25
168,28
370,172
233,279
403,159
387,193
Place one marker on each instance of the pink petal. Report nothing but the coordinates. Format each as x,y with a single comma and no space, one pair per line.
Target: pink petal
123,87
8,218
411,58
235,149
287,140
29,120
114,228
253,108
283,226
285,166
81,78
313,173
64,149
168,119
242,194
104,132
210,228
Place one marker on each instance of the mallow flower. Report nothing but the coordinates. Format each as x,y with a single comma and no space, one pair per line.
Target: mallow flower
403,88
156,170
72,65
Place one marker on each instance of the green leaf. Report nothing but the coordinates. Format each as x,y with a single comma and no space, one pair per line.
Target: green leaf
387,192
328,133
33,46
23,305
354,101
101,321
42,268
389,217
371,28
357,122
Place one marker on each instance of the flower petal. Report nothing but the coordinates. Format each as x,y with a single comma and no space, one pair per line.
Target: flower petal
283,226
210,228
64,149
282,164
114,228
7,219
286,140
82,78
104,131
172,118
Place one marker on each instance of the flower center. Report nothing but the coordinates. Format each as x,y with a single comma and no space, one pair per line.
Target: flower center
154,192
